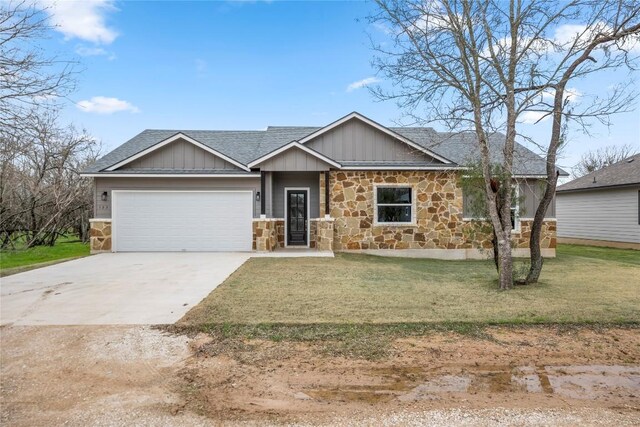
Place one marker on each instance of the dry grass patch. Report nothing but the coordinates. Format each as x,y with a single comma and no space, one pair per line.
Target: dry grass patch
361,289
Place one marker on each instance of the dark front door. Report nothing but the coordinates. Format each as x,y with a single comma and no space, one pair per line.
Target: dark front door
296,217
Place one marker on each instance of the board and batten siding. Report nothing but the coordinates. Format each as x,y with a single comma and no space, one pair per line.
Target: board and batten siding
103,209
531,190
294,159
298,180
607,214
358,141
180,155
268,196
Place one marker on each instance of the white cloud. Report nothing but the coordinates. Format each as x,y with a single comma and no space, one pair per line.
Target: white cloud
570,93
90,51
362,83
567,33
83,20
105,105
532,117
631,44
383,28
83,50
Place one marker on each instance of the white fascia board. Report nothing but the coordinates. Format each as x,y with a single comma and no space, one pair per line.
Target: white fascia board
377,126
170,140
402,168
518,176
170,175
295,144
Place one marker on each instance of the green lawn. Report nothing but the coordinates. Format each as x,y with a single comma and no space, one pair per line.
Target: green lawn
581,285
67,247
610,254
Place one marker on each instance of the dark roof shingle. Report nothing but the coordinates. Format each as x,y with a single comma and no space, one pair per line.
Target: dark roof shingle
246,146
626,172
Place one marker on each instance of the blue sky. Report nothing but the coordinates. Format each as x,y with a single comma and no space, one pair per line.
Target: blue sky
220,65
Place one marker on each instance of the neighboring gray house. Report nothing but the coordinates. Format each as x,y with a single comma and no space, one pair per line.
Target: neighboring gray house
603,207
351,185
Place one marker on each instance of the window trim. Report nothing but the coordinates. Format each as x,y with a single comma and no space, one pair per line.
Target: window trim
515,192
413,222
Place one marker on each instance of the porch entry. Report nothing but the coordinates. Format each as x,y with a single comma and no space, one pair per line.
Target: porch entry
297,216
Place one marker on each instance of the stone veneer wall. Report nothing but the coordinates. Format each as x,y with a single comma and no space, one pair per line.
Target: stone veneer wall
100,235
479,236
324,234
264,235
268,234
438,203
279,232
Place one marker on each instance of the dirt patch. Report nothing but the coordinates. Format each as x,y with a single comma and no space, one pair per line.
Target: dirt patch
528,369
91,376
139,375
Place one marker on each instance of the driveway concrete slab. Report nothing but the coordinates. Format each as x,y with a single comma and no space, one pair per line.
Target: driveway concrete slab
114,288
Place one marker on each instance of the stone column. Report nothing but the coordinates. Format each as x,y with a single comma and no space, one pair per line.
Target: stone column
100,235
324,234
264,235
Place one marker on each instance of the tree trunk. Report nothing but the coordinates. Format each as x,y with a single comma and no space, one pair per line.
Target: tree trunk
496,258
506,263
536,259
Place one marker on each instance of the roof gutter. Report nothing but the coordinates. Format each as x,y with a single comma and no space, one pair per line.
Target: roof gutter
602,187
170,175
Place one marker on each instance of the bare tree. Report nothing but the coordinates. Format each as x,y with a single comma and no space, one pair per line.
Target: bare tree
42,195
482,65
594,160
29,77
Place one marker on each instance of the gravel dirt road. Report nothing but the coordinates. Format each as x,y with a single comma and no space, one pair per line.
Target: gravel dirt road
137,375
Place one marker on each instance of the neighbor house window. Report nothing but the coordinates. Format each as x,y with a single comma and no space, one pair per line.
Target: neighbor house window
394,205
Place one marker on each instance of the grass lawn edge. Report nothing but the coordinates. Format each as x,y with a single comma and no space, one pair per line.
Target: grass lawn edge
340,331
24,268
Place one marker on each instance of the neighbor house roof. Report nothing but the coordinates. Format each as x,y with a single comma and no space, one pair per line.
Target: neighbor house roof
624,173
245,147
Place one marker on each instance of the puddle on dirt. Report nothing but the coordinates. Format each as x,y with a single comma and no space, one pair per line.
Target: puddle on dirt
411,384
594,381
395,381
361,396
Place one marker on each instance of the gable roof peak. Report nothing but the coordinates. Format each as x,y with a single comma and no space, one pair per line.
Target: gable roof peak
180,135
378,126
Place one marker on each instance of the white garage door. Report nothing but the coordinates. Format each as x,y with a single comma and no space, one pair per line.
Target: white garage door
165,221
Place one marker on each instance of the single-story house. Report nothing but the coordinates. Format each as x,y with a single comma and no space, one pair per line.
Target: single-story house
350,185
603,207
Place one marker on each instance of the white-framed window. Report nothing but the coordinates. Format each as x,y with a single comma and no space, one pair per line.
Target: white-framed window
515,207
394,204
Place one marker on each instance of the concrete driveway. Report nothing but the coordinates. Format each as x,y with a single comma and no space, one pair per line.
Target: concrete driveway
118,288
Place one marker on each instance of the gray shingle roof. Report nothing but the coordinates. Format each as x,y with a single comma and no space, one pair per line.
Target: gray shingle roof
171,172
626,172
246,146
461,148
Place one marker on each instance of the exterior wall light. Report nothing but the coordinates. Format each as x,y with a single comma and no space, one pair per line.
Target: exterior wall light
257,196
104,196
